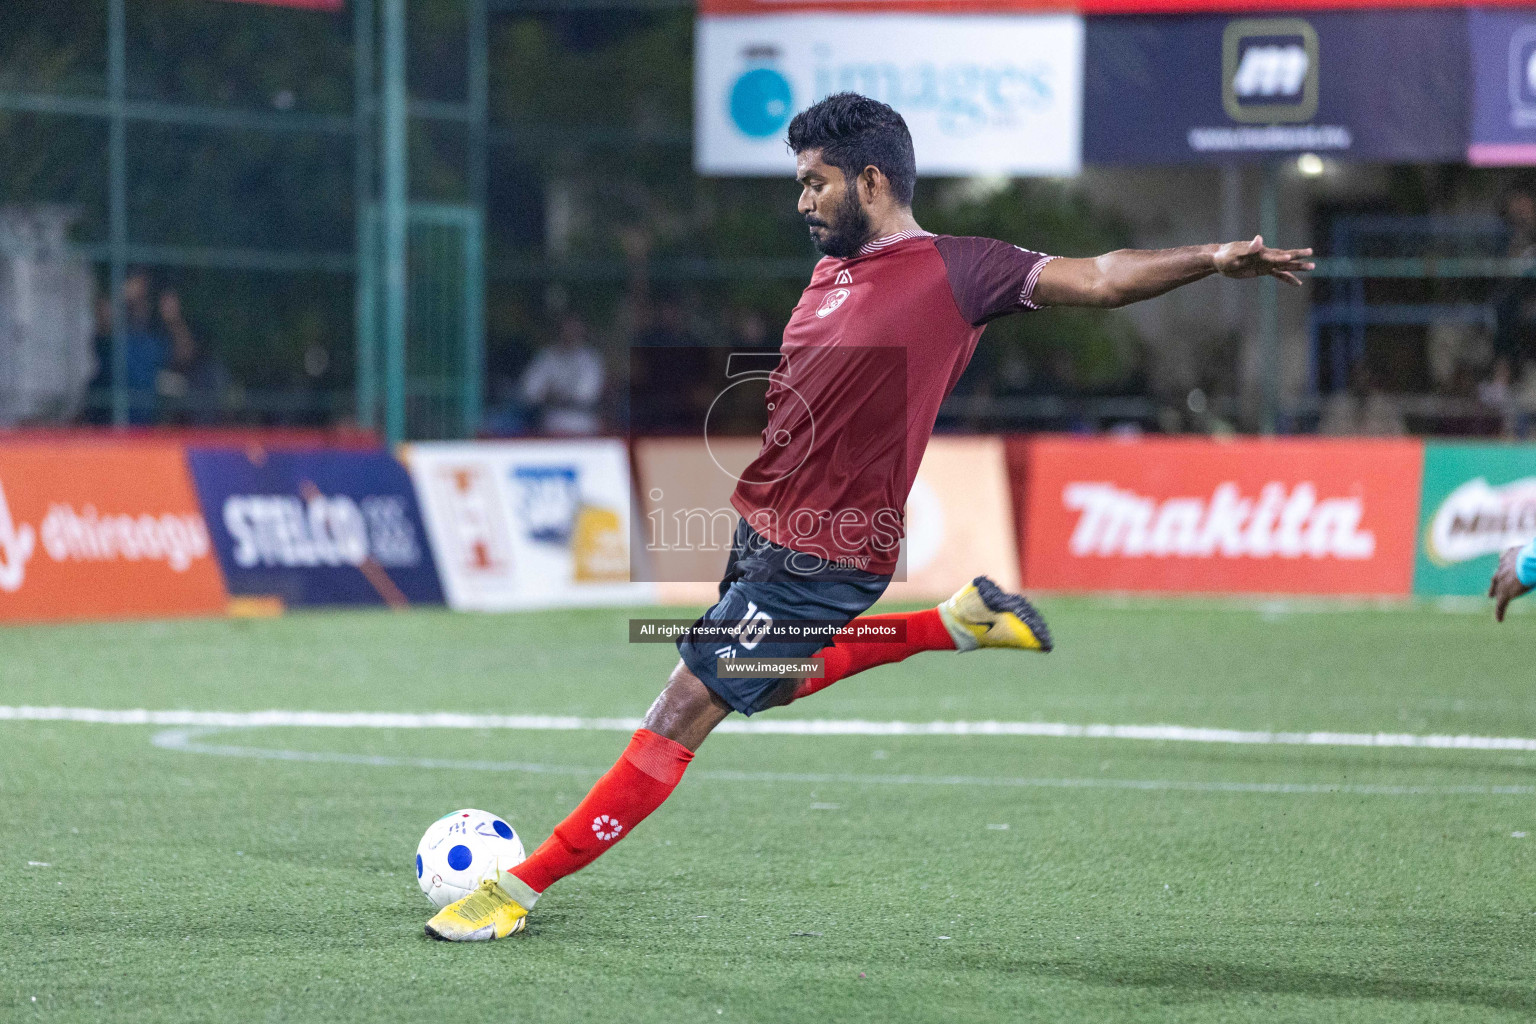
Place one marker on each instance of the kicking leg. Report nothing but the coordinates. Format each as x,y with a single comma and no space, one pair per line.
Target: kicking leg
650,768
980,614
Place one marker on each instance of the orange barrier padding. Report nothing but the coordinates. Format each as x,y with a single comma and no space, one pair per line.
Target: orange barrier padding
1194,515
114,532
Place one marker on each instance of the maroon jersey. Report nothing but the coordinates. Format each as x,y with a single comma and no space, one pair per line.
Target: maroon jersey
874,346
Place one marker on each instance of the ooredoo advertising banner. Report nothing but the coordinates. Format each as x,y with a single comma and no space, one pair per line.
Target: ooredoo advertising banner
1282,516
316,527
1478,500
1363,85
528,524
1503,88
102,532
982,94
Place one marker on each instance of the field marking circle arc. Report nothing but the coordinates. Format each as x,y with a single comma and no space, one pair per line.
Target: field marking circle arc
190,741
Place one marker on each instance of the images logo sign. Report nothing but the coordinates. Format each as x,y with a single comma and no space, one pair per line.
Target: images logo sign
1269,70
761,99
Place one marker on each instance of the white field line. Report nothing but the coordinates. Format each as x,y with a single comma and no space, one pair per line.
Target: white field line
767,726
189,741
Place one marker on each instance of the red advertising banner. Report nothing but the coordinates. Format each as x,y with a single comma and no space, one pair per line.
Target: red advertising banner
710,7
107,532
1277,516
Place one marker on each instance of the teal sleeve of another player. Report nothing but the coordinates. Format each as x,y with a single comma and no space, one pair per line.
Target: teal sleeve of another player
1525,565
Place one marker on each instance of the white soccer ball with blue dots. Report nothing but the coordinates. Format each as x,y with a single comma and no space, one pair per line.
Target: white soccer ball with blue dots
462,849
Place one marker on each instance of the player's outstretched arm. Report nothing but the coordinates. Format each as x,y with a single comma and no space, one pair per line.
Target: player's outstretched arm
1515,575
1131,275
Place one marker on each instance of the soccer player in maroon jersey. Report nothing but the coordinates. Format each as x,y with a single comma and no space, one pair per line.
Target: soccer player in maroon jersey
878,340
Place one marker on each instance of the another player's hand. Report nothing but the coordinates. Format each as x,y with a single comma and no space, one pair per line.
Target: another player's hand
1506,585
1255,259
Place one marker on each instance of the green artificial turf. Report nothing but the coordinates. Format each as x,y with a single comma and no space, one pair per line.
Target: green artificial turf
790,878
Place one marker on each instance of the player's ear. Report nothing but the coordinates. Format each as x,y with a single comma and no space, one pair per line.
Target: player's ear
870,182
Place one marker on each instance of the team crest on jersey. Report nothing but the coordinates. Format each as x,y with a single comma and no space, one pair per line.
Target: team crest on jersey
844,277
833,300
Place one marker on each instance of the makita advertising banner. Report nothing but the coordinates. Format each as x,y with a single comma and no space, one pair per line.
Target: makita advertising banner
316,527
1281,516
1358,85
1478,500
1503,87
529,524
102,531
982,94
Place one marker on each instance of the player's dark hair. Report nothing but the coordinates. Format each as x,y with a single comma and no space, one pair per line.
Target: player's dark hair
854,132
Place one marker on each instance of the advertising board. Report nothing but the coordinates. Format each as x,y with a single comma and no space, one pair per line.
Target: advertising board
316,527
1362,85
982,94
102,532
528,524
1478,499
1503,87
1283,516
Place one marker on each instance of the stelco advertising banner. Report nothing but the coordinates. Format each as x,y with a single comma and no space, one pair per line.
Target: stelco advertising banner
1503,87
316,527
528,524
982,93
1478,500
102,532
1288,516
1359,85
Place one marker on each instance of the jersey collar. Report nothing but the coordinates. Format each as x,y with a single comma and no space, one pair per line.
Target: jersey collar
875,245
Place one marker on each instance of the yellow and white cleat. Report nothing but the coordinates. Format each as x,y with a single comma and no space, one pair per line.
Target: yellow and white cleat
485,914
982,614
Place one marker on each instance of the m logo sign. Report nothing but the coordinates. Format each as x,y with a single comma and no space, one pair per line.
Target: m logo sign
1269,70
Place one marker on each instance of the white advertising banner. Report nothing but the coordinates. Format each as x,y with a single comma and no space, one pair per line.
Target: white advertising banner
528,524
982,94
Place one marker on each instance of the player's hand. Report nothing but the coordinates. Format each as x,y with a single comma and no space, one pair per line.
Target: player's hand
1506,585
1255,259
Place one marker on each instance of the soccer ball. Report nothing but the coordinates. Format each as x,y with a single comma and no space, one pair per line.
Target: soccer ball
462,849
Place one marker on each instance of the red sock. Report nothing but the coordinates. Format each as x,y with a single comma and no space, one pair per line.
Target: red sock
925,632
636,785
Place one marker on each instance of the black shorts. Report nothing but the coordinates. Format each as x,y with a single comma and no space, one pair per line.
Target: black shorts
770,584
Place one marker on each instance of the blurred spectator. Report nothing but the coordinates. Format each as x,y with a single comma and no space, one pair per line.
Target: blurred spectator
1514,302
146,349
565,382
1361,410
667,325
193,383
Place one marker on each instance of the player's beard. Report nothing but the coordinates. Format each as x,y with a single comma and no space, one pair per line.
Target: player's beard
846,232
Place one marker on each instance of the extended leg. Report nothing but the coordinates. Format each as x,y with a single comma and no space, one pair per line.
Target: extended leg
980,614
641,780
644,776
